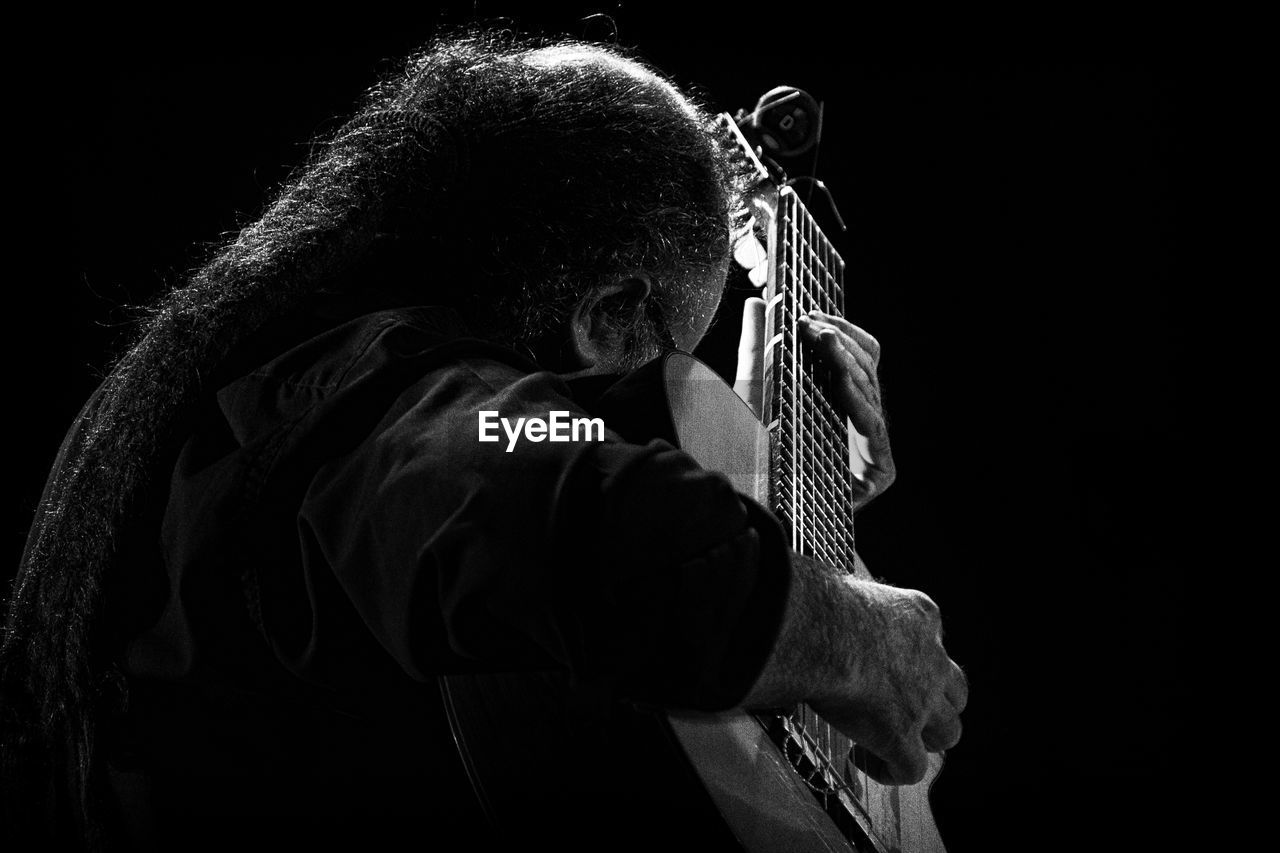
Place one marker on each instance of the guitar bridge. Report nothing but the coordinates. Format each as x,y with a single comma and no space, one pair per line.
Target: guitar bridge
838,797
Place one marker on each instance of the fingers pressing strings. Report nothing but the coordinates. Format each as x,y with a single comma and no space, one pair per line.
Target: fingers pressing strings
854,355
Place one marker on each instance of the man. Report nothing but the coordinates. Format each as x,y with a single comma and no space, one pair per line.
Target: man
274,525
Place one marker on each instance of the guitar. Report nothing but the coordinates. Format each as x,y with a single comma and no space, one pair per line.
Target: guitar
552,759
806,789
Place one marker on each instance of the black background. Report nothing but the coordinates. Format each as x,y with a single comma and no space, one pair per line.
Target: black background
1011,243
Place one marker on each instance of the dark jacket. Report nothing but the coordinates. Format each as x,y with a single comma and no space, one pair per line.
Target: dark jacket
335,536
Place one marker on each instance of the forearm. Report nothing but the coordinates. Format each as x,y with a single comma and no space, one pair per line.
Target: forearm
868,658
824,625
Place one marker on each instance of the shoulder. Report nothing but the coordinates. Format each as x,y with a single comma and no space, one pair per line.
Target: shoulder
302,369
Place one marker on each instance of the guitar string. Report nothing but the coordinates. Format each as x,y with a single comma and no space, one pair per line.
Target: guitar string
819,433
808,415
805,534
833,287
803,251
814,279
836,284
833,519
833,281
786,410
827,264
808,539
804,543
817,454
797,410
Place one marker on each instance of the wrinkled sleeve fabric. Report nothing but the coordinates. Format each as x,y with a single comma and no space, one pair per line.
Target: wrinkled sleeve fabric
627,564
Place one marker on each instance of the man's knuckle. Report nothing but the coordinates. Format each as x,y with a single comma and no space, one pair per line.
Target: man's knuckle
927,606
942,733
962,686
914,766
954,732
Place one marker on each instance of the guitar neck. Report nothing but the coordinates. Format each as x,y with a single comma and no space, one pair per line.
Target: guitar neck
812,454
814,461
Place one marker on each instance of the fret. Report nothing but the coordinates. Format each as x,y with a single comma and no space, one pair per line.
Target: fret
818,399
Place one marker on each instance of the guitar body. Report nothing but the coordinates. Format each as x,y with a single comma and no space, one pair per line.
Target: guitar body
755,786
553,760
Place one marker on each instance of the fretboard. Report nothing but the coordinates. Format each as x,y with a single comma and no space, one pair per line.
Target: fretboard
811,491
810,440
815,458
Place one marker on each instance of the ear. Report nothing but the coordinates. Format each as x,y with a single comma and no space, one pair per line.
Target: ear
594,321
